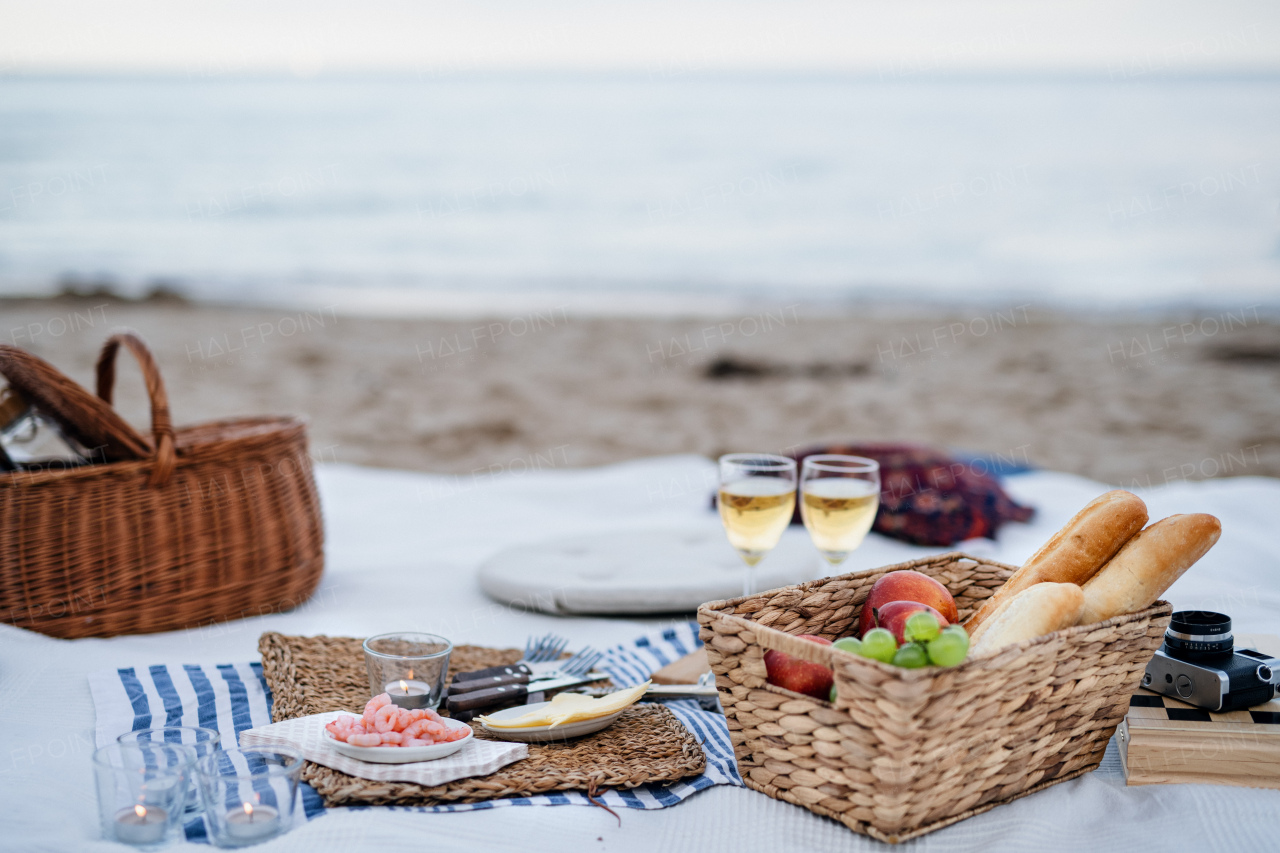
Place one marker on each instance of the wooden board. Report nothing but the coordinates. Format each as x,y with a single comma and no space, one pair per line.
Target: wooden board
686,670
1164,740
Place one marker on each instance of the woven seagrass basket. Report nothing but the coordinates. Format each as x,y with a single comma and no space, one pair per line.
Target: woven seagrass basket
204,524
904,752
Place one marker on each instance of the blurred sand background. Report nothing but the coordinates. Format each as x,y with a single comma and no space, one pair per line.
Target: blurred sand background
1134,402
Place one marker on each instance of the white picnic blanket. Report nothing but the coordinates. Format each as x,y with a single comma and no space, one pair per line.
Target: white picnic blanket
402,551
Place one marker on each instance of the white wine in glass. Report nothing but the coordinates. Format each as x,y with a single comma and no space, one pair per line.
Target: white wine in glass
757,499
839,499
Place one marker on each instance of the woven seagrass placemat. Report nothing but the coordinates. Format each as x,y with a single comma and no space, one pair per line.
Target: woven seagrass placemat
310,675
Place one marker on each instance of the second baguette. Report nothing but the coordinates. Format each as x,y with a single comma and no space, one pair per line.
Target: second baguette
1076,552
1038,610
1148,565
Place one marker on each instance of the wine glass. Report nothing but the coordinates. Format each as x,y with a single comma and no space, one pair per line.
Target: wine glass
757,498
839,499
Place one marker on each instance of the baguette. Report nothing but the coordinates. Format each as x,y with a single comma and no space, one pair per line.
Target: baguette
1148,565
1076,552
1038,610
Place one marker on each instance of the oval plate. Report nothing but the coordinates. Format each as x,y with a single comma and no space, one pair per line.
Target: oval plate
402,754
547,734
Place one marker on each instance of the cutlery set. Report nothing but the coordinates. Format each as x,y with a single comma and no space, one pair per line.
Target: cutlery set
542,670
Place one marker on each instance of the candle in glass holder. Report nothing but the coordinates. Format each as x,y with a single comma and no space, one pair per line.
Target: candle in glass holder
253,822
141,825
409,694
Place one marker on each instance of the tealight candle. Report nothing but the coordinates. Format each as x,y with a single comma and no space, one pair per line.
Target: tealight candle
409,694
141,825
253,822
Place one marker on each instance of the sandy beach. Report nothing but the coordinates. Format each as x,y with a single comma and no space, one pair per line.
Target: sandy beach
1138,402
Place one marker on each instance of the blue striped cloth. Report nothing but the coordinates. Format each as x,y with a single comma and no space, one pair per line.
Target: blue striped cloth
233,697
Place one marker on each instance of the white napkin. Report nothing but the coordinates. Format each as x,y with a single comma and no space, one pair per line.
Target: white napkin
306,734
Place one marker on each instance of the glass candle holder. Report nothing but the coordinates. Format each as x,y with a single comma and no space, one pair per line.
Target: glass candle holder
202,742
249,794
410,668
143,789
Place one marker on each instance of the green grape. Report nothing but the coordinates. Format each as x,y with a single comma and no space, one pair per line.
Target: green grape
848,644
950,647
832,698
878,644
911,656
921,627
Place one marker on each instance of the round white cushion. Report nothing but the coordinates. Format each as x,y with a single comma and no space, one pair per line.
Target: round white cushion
660,570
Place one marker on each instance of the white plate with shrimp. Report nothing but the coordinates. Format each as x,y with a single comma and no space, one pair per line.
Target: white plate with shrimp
402,754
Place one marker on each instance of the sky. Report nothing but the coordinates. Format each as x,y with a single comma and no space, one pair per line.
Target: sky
311,37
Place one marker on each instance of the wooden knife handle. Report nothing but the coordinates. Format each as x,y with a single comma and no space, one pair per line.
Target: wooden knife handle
492,671
474,700
468,685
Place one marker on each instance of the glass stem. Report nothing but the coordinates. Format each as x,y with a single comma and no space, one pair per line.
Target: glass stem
749,583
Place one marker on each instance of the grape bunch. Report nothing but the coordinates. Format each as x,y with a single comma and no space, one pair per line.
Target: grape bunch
927,644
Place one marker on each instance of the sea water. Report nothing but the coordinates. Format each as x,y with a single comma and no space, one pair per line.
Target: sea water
634,189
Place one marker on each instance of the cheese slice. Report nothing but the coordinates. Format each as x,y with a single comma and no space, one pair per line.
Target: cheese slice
571,708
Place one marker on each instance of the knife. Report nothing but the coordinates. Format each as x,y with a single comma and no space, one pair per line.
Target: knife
704,691
516,673
466,682
510,694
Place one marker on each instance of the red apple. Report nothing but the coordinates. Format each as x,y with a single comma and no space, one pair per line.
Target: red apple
894,616
812,679
906,585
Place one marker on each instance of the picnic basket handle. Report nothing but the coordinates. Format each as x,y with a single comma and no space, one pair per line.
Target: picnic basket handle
165,453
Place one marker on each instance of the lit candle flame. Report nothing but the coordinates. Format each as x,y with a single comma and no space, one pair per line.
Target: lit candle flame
404,687
140,811
248,809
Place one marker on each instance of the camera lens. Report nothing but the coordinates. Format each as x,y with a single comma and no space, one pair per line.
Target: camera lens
1196,634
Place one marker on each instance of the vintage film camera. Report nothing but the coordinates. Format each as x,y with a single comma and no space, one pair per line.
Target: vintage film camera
1200,665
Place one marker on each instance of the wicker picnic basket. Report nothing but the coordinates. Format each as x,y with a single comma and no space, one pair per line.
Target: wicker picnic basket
903,752
197,525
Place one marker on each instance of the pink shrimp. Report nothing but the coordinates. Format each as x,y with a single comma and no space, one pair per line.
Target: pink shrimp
392,739
385,719
416,728
424,729
347,723
338,730
456,734
382,700
433,716
365,740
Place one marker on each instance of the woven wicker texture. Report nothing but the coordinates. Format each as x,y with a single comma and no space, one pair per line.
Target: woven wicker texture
219,521
309,675
905,752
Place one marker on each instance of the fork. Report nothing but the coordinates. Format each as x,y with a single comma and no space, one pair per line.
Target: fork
544,648
579,664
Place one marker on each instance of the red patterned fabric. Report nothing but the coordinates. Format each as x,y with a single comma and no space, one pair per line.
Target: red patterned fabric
928,497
